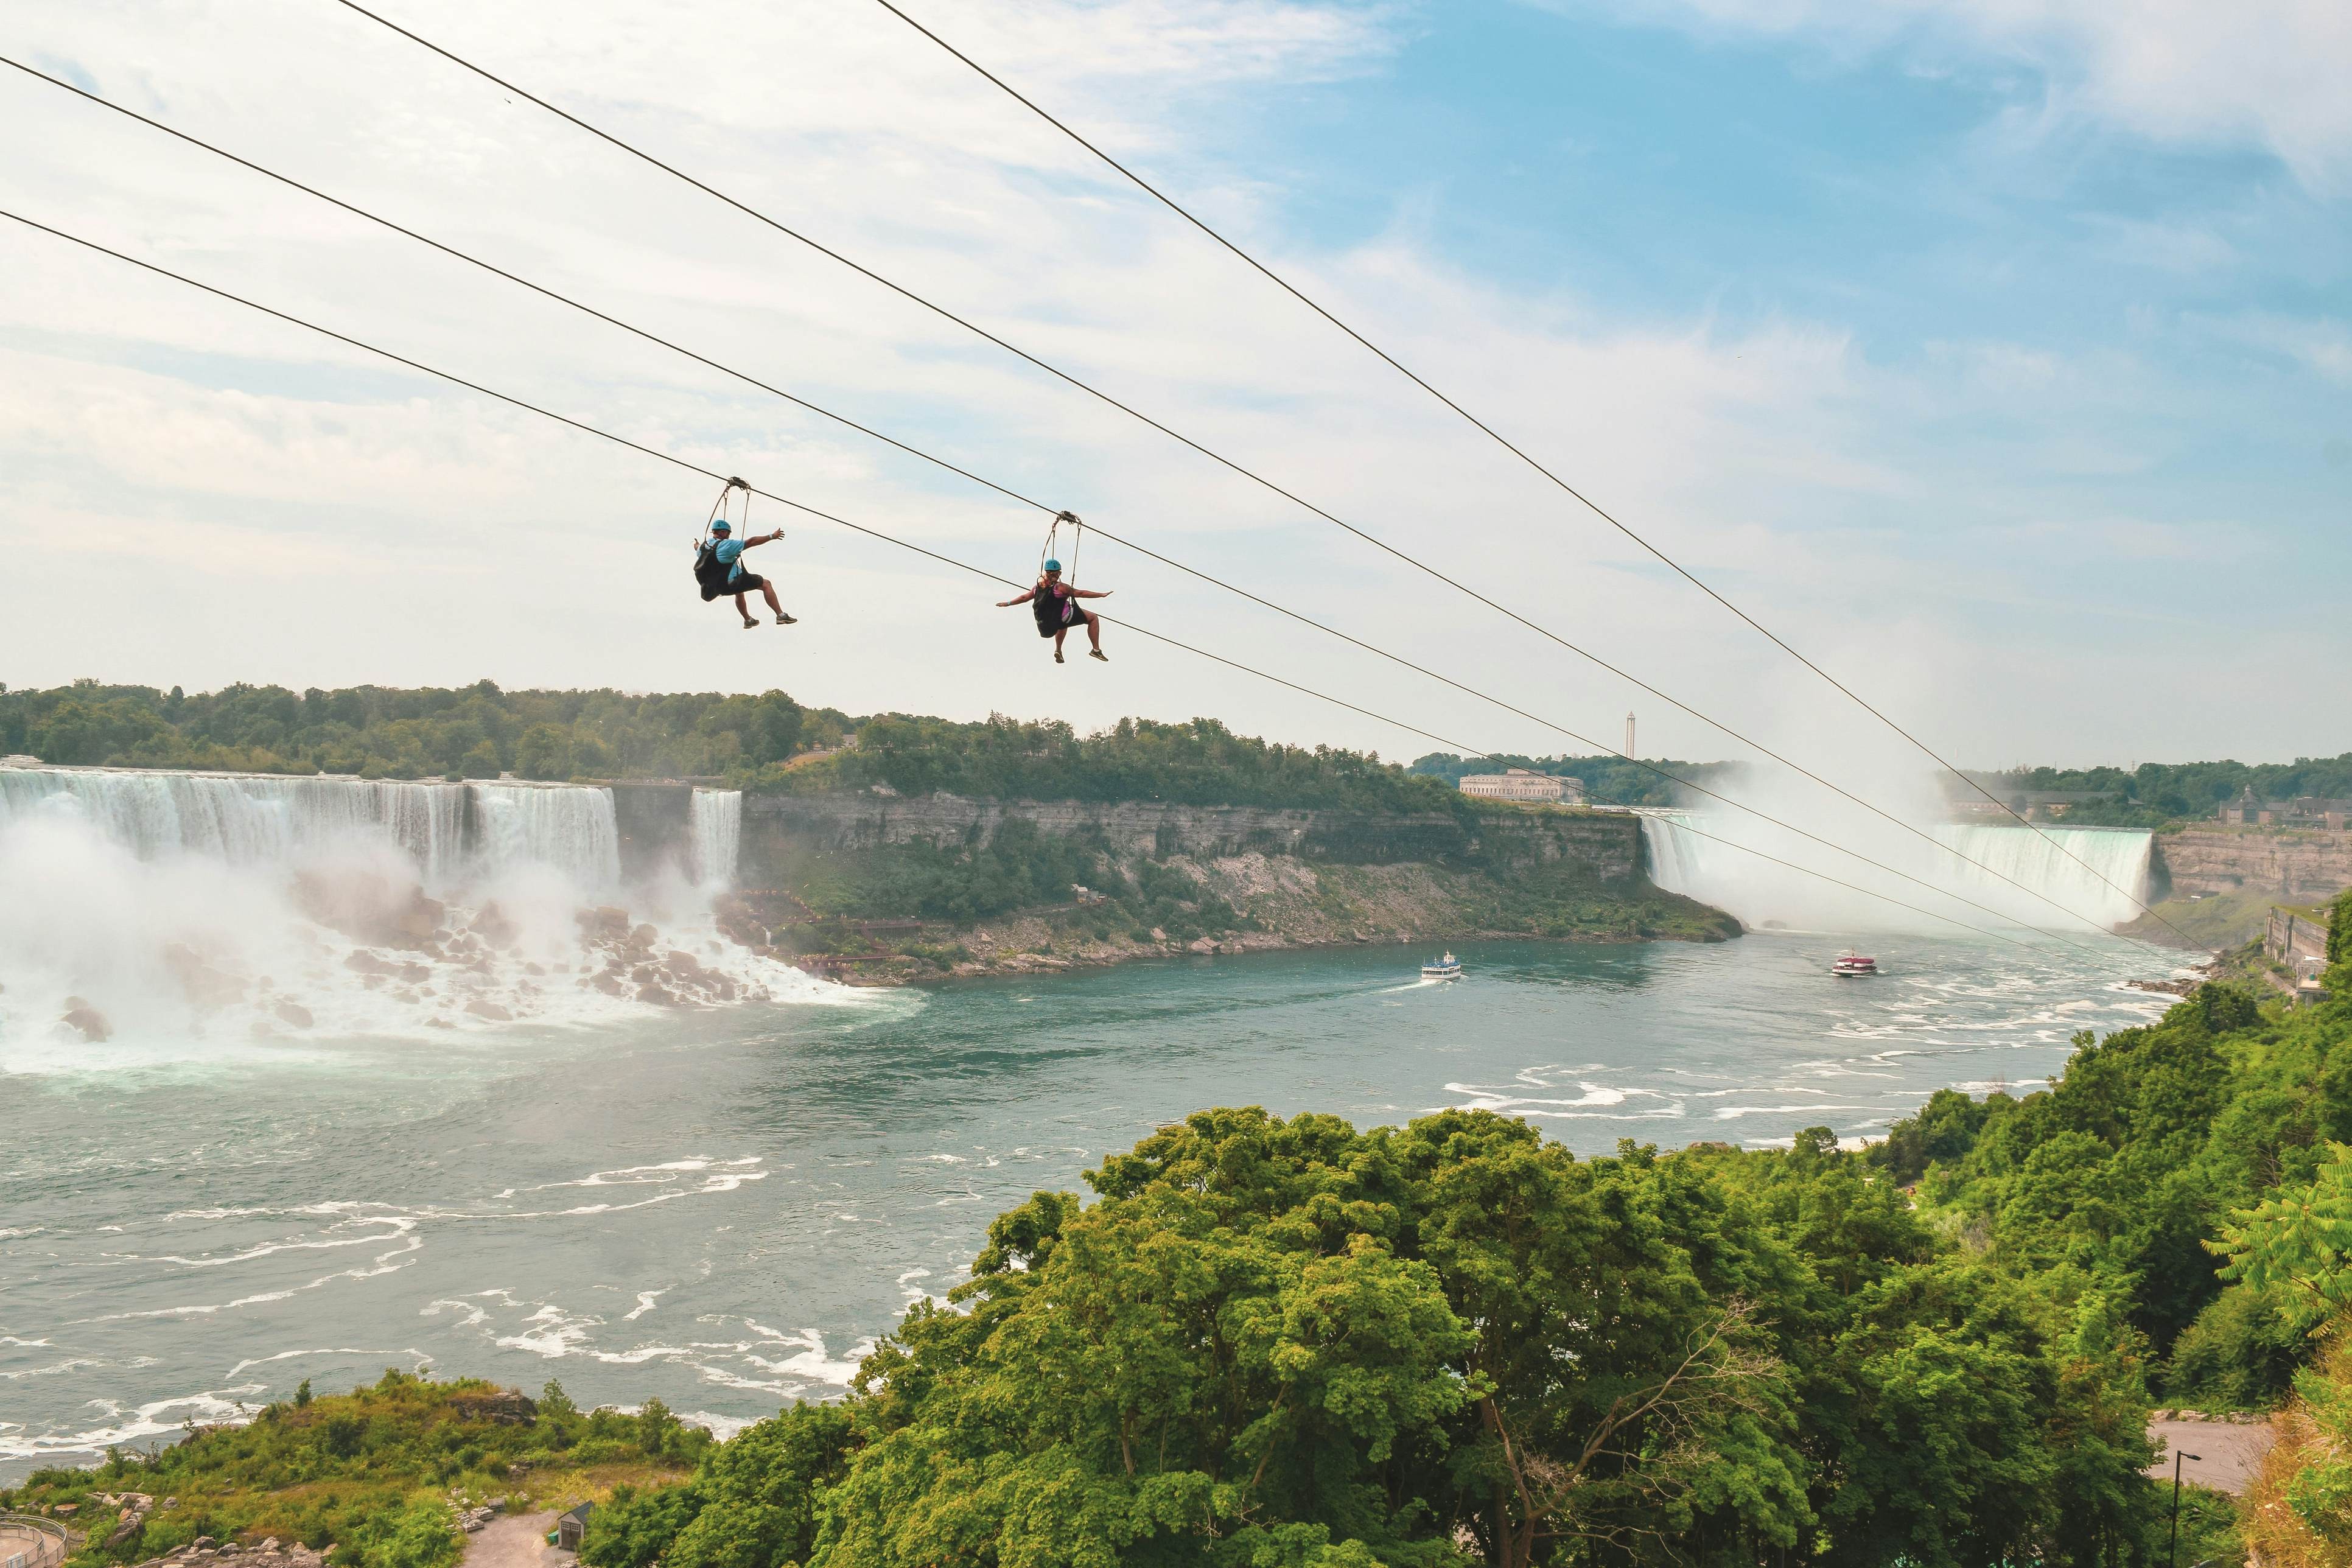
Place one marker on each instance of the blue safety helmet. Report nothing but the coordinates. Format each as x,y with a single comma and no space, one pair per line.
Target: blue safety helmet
722,526
1053,566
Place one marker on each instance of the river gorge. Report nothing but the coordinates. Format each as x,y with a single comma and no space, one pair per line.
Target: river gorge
360,1100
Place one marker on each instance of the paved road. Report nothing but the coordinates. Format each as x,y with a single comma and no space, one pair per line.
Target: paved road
2229,1456
515,1541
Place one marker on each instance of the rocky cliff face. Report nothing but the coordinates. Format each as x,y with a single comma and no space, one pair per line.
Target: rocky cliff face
1605,847
2289,864
1250,877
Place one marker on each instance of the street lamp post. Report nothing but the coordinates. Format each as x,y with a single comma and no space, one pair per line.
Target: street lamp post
2177,1456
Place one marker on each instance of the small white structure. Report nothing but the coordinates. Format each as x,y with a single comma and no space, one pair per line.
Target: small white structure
1523,784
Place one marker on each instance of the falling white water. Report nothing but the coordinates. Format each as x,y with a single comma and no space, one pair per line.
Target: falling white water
208,916
2057,878
715,822
249,820
569,827
2098,872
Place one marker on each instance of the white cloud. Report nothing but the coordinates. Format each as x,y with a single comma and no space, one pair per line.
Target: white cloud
2264,73
287,509
2319,344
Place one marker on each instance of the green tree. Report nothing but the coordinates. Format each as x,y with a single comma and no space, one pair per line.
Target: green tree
544,753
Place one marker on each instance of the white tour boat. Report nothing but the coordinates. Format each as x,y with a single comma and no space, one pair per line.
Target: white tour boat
1447,968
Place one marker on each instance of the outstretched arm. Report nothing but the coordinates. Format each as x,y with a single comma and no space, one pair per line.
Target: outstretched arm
763,539
1008,603
1091,593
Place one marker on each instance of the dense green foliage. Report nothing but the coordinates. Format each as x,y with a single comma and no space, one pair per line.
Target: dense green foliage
476,732
1608,780
2155,792
370,1474
479,732
1291,1342
1200,762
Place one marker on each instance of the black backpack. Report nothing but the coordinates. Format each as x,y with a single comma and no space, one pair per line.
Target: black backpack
709,571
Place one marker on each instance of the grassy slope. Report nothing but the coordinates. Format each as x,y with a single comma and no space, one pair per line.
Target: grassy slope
2222,919
372,1474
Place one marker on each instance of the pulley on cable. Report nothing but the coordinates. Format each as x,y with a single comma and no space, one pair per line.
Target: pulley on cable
1054,599
719,566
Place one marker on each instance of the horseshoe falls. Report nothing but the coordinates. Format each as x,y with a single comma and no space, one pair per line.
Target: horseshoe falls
2058,878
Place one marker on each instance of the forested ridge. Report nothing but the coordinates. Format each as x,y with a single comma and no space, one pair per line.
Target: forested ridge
481,731
1271,1342
2148,794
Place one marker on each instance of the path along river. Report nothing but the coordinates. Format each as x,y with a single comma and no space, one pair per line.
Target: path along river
724,1207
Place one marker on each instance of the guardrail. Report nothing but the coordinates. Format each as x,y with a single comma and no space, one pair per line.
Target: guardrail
27,1540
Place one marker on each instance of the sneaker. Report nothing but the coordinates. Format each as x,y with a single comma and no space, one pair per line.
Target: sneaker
785,620
1098,653
750,625
1057,657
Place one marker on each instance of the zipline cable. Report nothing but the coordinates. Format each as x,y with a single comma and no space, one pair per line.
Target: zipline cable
1214,456
1499,439
691,466
1071,518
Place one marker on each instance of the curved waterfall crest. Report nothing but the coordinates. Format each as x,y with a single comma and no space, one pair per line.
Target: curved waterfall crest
2098,874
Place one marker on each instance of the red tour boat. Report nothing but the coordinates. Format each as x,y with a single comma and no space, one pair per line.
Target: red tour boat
1853,964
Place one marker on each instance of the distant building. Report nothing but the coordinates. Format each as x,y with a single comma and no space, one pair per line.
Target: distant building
2303,811
2296,941
1523,784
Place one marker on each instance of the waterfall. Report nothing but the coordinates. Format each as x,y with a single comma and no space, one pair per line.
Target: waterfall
569,828
715,828
191,913
2070,868
2098,872
247,820
262,820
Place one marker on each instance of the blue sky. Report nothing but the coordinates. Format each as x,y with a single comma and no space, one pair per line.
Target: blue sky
1995,354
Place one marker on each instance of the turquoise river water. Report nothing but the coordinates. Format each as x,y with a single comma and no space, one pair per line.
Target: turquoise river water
725,1208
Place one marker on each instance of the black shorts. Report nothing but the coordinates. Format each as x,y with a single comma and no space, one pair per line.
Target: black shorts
1076,622
750,583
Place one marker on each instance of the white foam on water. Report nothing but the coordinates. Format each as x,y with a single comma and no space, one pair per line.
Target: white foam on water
119,1428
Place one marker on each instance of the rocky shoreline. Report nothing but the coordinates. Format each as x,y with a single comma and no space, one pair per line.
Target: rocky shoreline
1279,902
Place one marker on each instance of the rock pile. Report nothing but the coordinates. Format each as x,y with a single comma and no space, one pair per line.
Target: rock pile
470,1520
631,968
270,1553
135,1507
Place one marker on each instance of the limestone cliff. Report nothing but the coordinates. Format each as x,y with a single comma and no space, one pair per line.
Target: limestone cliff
2289,864
882,888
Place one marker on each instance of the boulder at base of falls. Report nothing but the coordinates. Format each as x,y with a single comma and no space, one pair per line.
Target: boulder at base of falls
491,1010
495,926
200,981
369,906
80,1014
604,923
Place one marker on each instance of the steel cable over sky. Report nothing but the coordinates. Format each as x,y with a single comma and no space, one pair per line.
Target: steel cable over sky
1218,457
586,428
1164,560
1147,188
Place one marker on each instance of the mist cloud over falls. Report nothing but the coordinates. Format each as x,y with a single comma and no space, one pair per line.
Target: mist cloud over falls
148,913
